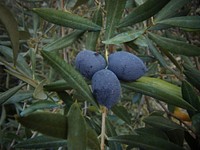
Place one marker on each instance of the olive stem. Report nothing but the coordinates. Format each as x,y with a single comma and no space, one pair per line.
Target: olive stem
103,127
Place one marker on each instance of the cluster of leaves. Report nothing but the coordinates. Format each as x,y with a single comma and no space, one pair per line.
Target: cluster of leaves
54,103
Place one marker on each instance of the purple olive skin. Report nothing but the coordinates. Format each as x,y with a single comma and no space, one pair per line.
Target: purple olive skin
126,66
106,88
88,62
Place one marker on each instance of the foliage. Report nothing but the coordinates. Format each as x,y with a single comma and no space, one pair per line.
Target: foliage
47,103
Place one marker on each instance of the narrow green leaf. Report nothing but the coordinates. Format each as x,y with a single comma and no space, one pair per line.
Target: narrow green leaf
149,142
92,37
77,135
122,113
39,105
7,94
159,89
176,136
193,76
20,96
70,75
191,22
92,139
42,142
110,132
9,22
162,123
63,41
170,9
59,85
124,37
155,53
196,122
114,15
152,131
174,46
50,124
189,94
21,62
67,19
143,12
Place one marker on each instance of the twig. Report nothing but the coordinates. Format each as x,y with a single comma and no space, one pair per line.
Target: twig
103,127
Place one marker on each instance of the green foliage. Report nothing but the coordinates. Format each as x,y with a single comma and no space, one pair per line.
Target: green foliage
46,103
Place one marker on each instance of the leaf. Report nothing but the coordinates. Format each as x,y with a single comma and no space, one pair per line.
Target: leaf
9,22
59,85
122,113
39,92
170,9
191,22
21,62
77,135
50,124
22,77
41,142
196,122
189,94
143,12
149,142
67,19
155,53
193,75
174,46
39,105
63,42
162,123
159,89
20,96
114,15
92,140
124,37
7,94
70,75
110,132
92,37
151,131
176,136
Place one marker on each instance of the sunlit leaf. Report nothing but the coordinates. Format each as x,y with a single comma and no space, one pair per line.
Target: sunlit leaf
159,89
63,42
125,37
39,92
70,75
114,15
143,12
7,94
149,142
42,142
50,124
67,19
170,9
174,46
77,134
8,20
191,22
